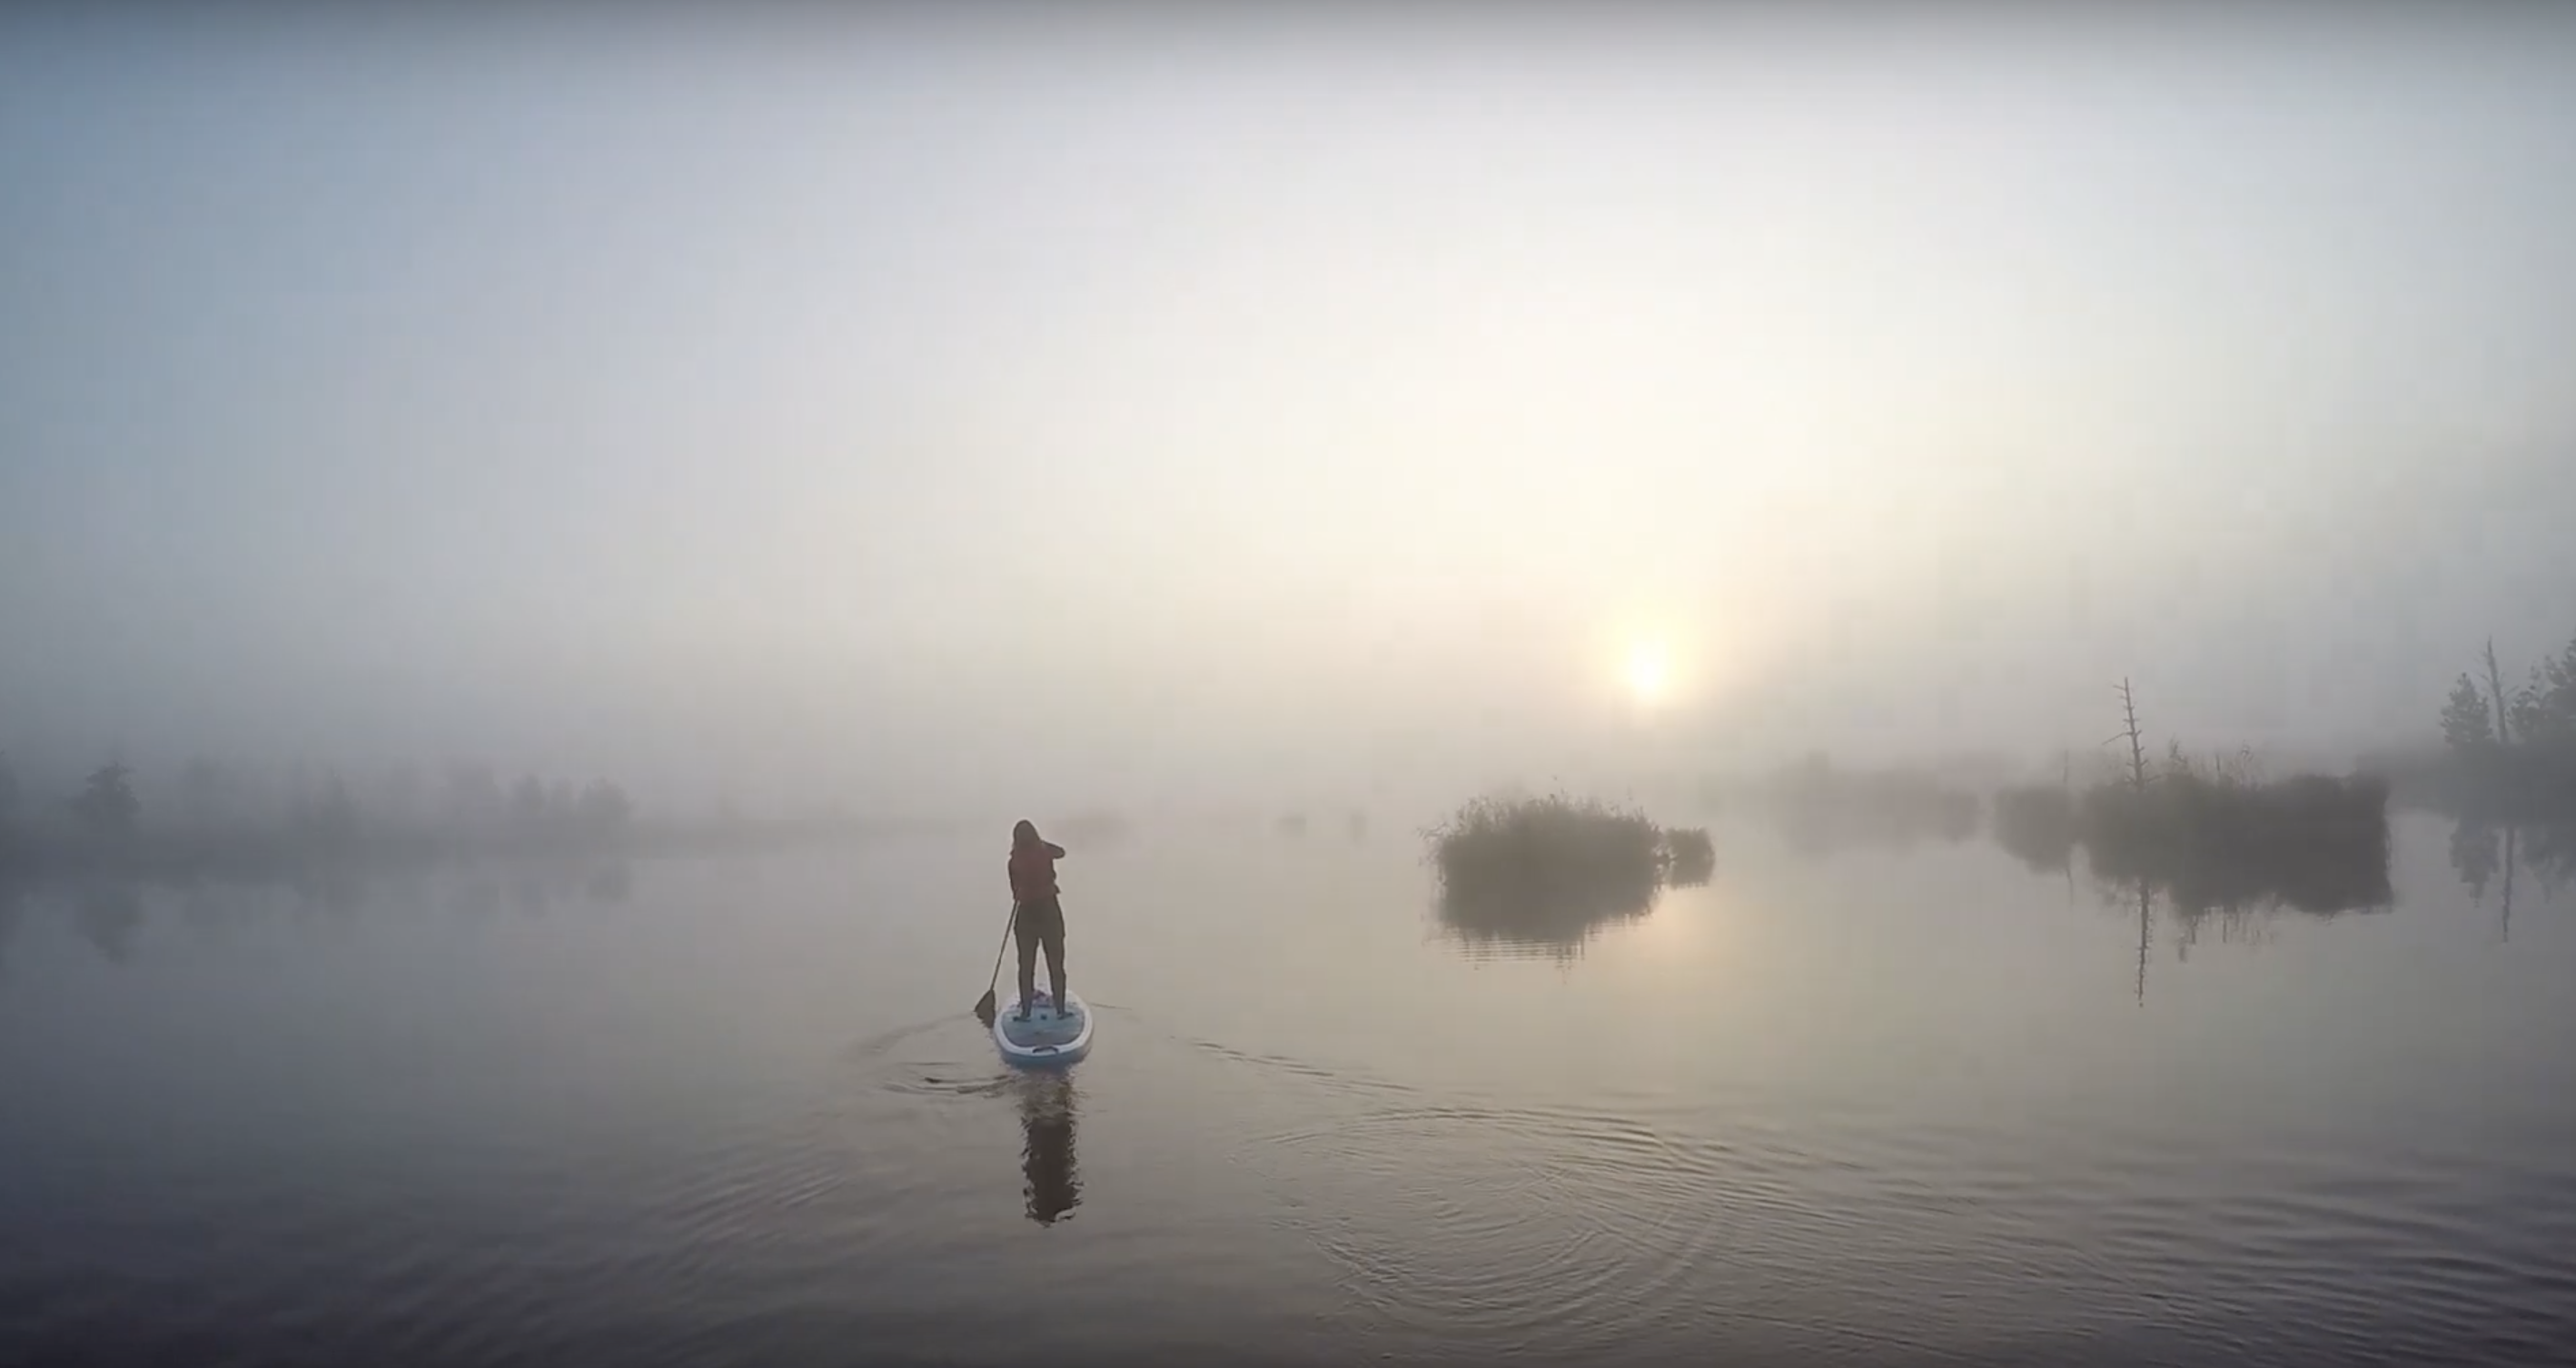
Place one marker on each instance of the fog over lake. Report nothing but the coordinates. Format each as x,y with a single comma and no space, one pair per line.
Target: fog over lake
1718,684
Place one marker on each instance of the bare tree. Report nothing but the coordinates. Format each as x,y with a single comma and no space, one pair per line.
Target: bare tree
2495,687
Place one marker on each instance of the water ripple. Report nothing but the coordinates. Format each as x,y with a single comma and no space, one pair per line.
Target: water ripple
1578,1231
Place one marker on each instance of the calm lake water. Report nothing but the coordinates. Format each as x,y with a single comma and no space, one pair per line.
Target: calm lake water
1886,1107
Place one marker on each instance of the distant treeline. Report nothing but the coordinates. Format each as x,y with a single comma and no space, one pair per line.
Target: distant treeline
2215,832
2505,757
214,825
1817,805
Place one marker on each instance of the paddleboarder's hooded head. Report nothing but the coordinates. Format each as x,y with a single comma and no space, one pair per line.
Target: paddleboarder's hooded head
1024,835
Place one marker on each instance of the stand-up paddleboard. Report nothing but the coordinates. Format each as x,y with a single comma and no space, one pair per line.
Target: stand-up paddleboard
1049,1036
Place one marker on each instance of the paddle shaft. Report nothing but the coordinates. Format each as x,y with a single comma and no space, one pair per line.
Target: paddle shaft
995,978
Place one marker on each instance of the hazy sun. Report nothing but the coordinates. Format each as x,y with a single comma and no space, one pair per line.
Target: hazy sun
1648,671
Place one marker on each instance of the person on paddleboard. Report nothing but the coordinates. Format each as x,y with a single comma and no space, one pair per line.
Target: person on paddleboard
1039,918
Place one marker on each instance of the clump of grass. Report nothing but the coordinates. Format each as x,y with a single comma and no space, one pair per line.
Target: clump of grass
1690,858
1546,869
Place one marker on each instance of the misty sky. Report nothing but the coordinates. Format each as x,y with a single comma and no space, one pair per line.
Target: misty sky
1064,405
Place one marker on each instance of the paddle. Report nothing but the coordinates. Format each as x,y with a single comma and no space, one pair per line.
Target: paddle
984,1007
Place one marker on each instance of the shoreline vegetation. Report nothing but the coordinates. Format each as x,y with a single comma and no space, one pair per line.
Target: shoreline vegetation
2209,830
220,833
2213,834
2210,833
1552,870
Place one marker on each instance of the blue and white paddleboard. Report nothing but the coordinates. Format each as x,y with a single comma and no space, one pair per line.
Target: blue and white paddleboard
1049,1036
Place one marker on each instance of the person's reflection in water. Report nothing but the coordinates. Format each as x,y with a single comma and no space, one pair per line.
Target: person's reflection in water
1051,1183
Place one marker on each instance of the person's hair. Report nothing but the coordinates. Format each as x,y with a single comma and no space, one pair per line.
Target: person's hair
1024,835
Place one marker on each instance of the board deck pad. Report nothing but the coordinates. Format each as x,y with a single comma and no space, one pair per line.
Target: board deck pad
1049,1032
1046,1025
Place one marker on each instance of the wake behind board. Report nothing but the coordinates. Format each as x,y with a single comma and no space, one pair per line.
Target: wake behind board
1049,1036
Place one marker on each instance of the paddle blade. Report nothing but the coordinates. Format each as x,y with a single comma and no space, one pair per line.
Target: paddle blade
984,1009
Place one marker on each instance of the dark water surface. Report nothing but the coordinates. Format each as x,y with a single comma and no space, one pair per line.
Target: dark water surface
1893,1107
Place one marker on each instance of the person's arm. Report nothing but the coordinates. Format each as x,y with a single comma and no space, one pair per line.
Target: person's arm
1054,851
